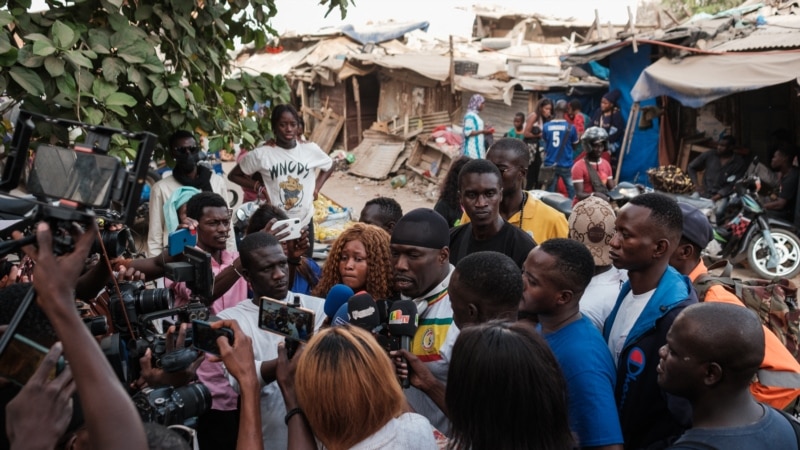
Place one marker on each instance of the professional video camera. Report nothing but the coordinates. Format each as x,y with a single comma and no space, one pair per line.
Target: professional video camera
69,178
171,406
134,311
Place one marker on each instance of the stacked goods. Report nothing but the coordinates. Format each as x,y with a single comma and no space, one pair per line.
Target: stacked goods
330,218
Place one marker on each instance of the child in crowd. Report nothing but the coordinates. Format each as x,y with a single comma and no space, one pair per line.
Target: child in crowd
517,131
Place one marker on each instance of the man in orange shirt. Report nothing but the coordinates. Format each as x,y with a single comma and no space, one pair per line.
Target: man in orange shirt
778,380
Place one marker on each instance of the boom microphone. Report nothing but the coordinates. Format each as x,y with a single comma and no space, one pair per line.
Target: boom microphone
363,312
337,296
403,319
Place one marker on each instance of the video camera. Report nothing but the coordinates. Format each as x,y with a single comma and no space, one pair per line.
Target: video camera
73,179
134,310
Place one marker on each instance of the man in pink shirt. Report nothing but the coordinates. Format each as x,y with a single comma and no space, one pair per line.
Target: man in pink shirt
213,226
592,175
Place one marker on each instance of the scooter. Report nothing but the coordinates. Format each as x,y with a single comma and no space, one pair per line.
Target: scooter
770,245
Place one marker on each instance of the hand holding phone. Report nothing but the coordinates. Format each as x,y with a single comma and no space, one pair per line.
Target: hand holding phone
39,414
239,357
23,358
204,337
293,227
180,239
293,322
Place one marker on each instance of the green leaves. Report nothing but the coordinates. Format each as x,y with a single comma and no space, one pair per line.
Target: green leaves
160,96
63,36
28,80
54,66
144,65
112,68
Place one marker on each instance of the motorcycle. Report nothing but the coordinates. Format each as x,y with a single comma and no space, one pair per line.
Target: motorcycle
618,197
769,244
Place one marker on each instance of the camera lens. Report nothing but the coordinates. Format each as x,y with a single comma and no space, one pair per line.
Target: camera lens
152,300
116,243
193,400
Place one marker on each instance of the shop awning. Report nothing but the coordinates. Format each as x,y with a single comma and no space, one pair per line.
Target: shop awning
697,80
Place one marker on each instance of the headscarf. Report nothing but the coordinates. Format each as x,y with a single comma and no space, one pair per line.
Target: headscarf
176,200
475,102
613,96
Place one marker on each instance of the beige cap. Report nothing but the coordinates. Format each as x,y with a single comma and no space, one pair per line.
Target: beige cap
592,224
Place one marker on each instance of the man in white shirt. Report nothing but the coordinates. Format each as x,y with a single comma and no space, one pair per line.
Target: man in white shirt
265,267
647,230
186,153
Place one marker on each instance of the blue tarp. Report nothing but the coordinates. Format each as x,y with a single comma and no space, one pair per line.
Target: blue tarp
626,66
382,33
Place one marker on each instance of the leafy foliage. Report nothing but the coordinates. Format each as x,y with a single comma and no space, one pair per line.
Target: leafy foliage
145,65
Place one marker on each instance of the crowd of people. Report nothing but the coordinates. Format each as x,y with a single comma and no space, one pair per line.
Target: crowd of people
533,331
569,151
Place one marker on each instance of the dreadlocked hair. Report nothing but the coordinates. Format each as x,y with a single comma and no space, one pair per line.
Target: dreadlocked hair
379,261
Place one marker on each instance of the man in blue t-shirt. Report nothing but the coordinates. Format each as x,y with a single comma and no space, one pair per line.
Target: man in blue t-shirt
712,353
554,276
560,138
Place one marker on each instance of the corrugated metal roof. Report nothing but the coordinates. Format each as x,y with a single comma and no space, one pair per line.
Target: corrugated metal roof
779,32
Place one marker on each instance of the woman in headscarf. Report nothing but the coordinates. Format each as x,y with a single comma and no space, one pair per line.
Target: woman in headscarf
609,118
474,145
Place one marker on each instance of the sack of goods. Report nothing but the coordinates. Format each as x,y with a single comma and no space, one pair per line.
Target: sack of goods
670,179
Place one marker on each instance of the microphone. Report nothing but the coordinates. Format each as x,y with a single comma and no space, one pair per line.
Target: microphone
340,318
403,319
337,296
363,312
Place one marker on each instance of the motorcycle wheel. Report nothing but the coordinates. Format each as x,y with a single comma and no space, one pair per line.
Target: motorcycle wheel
788,246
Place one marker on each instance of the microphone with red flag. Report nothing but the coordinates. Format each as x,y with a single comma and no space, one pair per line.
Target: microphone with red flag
403,319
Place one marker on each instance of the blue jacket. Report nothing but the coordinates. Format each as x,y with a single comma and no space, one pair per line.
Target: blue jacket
650,418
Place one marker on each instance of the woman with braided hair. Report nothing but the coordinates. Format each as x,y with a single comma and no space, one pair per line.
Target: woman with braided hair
360,259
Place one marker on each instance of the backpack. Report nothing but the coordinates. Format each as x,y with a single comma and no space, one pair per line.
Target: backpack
774,301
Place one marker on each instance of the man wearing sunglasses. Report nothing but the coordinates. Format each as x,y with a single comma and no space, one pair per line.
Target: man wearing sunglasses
187,154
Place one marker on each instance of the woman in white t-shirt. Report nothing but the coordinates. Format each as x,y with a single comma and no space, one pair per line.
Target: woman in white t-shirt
345,389
288,168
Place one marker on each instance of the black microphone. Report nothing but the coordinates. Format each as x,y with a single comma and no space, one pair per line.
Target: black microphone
362,312
403,323
337,296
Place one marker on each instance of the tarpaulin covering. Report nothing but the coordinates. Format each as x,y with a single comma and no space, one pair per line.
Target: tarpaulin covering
697,80
643,153
382,33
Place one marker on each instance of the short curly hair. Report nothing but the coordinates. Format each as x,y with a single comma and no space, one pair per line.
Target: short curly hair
379,262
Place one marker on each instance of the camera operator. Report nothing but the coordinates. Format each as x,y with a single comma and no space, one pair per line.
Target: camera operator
238,360
266,269
109,413
209,216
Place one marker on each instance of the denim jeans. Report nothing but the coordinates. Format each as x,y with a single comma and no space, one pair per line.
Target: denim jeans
565,173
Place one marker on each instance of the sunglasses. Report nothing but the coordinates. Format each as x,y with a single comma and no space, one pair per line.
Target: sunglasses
187,150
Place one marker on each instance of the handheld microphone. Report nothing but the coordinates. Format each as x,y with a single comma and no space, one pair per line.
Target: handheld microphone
363,312
340,318
403,319
337,296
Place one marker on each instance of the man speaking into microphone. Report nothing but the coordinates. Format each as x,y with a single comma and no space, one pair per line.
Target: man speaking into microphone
421,260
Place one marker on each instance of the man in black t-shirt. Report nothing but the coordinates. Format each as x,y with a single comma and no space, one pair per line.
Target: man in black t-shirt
480,190
783,206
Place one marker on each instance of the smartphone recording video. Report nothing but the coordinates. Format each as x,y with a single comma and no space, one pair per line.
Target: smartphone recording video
21,359
290,321
205,338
